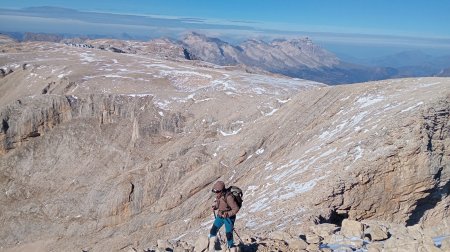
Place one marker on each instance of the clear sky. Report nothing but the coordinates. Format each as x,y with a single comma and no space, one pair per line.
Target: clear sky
428,21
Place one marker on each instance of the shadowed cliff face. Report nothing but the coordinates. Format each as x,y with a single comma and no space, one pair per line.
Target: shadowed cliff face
113,159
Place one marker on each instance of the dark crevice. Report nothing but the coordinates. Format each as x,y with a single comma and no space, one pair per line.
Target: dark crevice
222,53
187,55
334,218
438,175
34,134
5,125
430,144
130,196
45,90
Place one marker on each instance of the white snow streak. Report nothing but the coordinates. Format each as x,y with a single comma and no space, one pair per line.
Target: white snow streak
412,107
231,133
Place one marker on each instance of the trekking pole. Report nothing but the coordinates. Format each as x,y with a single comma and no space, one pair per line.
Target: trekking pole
238,235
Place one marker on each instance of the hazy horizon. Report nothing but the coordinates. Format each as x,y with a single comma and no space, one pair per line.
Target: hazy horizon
350,37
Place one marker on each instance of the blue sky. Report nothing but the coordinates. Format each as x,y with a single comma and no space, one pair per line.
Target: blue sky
334,23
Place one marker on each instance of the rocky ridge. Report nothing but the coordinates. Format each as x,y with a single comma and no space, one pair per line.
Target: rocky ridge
299,58
5,39
129,146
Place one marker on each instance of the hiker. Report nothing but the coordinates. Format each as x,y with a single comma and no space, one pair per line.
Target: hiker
227,208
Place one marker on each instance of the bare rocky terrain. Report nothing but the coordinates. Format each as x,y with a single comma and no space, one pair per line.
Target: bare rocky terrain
103,150
297,58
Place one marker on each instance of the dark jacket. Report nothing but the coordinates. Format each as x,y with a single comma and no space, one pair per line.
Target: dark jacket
226,205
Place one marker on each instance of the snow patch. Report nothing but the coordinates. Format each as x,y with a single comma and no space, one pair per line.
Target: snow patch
259,151
230,133
138,95
283,101
183,73
358,153
367,101
412,107
295,189
163,104
429,84
86,57
270,113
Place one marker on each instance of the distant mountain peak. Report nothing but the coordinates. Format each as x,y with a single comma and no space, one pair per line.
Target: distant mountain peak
201,37
278,56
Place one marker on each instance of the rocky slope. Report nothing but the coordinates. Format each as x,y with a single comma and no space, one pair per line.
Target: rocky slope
111,151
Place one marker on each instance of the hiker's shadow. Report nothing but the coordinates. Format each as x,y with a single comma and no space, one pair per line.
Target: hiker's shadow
252,247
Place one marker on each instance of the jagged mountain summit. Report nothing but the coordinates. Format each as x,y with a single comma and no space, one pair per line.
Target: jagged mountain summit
107,151
277,55
296,58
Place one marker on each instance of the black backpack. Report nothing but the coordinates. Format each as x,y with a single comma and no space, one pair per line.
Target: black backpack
237,194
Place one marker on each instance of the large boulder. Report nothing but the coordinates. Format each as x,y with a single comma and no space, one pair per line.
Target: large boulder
351,228
324,229
377,232
297,244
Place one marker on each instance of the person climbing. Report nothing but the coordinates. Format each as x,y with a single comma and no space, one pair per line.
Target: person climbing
227,208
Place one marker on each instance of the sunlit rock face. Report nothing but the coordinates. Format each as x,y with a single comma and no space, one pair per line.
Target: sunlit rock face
100,149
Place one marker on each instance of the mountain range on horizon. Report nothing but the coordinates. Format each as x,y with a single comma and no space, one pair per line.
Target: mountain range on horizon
298,58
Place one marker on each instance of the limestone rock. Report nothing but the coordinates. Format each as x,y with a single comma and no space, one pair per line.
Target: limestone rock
312,238
297,244
313,247
401,244
334,239
164,244
351,228
280,235
445,244
375,247
430,248
201,244
130,249
377,232
324,230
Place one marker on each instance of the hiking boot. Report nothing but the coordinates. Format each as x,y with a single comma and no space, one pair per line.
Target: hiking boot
212,244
